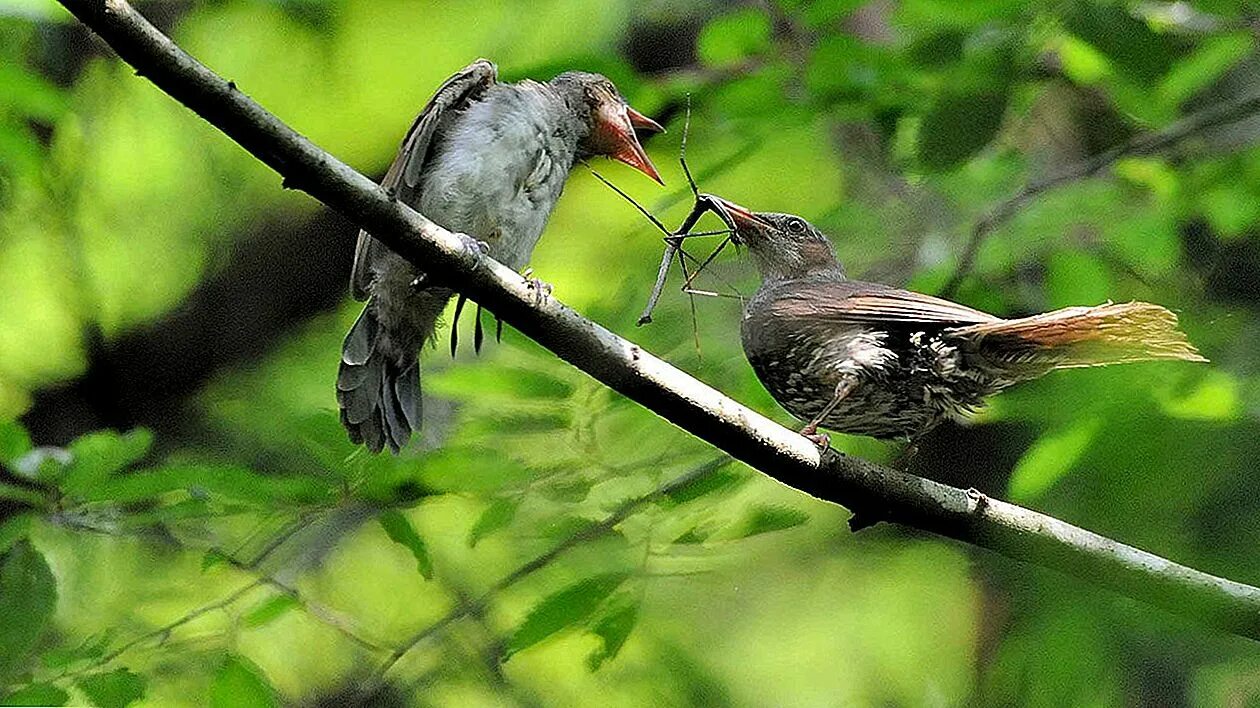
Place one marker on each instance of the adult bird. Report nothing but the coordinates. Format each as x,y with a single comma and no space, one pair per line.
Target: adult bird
489,160
871,359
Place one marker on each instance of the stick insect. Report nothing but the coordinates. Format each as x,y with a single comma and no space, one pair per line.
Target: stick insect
674,239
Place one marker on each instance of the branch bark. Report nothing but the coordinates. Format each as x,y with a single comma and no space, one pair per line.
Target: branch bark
873,490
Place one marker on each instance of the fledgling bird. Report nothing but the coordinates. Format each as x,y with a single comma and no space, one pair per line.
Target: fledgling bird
489,160
871,359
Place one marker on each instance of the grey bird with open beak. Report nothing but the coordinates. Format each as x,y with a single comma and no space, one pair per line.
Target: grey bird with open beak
489,160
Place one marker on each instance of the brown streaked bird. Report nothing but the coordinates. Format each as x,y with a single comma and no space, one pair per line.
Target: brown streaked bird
871,359
488,160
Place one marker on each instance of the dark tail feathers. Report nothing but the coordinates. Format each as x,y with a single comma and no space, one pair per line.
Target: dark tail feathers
379,395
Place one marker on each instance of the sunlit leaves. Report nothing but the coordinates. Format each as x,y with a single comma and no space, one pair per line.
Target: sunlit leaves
14,442
400,531
240,684
113,689
613,629
732,37
96,456
1053,456
28,595
496,516
36,694
269,610
563,609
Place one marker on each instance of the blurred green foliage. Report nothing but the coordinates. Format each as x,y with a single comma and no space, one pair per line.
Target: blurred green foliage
249,555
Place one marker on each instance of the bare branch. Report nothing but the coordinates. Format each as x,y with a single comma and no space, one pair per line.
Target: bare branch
1145,144
872,490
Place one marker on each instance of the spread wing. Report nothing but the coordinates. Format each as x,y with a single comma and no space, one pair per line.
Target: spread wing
404,175
851,301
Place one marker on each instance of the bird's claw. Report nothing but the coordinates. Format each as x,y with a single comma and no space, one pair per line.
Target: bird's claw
476,249
542,289
821,440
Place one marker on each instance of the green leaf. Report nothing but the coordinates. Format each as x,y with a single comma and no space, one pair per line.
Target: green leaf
563,609
957,126
239,683
733,37
228,481
113,689
91,648
716,483
495,517
614,629
14,529
29,94
14,441
36,694
1051,457
400,531
1135,48
1076,278
28,596
96,456
764,519
269,610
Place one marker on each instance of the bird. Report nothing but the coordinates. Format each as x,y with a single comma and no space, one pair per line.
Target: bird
486,159
875,360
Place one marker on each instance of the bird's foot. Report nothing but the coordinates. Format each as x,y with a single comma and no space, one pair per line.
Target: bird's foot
475,248
810,433
542,289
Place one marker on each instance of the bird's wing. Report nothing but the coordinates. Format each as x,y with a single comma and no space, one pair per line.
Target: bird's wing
856,302
404,175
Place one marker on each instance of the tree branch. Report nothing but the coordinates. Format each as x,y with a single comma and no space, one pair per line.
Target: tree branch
1143,144
781,453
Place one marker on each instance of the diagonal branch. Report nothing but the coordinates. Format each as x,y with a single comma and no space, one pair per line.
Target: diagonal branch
1143,144
875,491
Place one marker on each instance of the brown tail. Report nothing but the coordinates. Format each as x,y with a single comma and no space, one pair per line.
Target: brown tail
1084,336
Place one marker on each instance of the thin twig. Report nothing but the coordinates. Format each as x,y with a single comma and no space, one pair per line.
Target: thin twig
1144,144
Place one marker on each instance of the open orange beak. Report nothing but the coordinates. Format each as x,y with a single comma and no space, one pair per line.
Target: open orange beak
642,122
615,125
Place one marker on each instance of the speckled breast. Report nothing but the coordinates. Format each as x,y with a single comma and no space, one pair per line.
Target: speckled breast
907,382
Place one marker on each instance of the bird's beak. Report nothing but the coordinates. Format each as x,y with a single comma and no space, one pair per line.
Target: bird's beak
615,124
742,219
642,122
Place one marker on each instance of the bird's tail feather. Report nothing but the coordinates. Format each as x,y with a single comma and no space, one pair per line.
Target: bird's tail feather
1084,336
378,390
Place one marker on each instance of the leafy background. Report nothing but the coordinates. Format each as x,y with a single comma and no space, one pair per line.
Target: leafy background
183,522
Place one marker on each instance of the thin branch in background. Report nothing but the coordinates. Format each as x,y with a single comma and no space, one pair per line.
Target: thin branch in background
1143,144
316,611
872,490
589,533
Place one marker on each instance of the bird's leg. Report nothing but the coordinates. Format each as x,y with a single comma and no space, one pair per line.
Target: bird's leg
810,431
478,334
459,309
541,289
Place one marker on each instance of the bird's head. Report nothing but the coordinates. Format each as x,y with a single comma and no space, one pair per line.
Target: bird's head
611,121
784,246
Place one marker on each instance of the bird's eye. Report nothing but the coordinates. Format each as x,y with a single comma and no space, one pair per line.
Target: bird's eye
796,226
